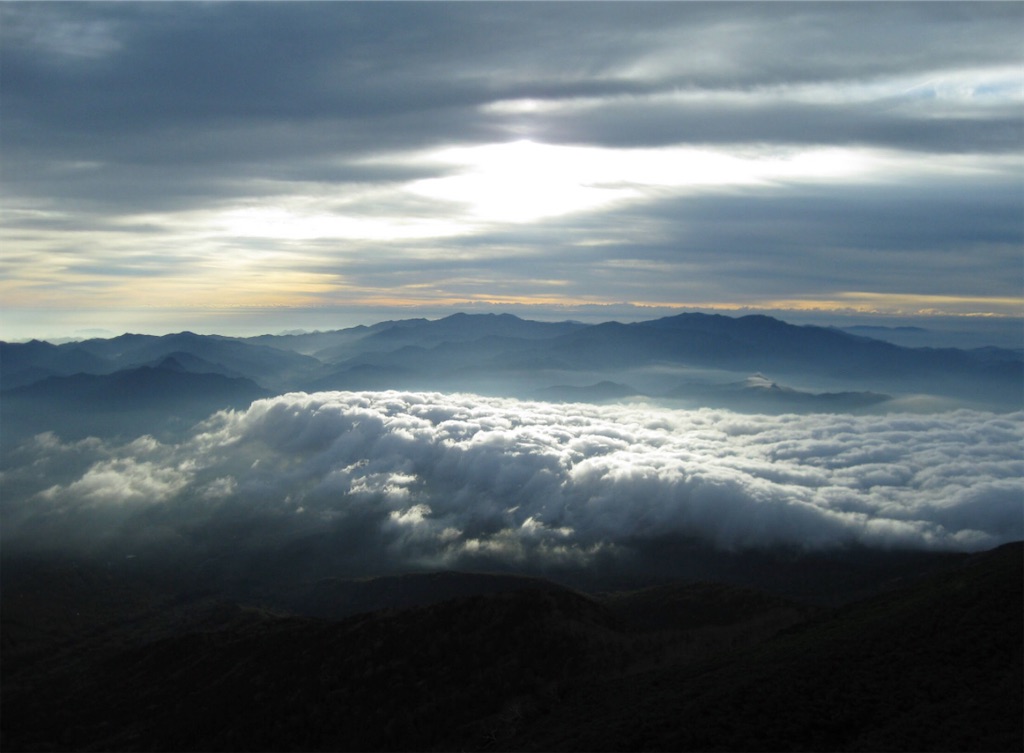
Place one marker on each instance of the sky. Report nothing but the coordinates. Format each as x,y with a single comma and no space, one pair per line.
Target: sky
254,167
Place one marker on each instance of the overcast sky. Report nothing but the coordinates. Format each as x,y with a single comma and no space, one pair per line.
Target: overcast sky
173,164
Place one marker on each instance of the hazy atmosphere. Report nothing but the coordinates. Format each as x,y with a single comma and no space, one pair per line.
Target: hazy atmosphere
247,168
511,376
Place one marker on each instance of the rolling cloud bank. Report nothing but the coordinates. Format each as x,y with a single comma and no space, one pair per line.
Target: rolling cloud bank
386,480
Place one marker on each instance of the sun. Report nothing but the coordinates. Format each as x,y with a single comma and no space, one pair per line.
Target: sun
521,181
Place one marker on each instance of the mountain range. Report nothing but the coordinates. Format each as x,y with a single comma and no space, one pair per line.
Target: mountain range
689,359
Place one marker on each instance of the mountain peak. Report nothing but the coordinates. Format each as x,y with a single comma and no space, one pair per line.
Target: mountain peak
170,363
462,316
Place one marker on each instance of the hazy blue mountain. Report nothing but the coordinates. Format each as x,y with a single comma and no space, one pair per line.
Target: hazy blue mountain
921,337
750,340
503,354
25,363
907,336
365,376
269,367
128,402
605,391
760,343
113,348
757,393
466,327
187,362
327,345
308,343
489,351
992,354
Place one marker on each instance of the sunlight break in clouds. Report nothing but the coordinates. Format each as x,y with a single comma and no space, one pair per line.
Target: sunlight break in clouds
524,181
434,154
437,480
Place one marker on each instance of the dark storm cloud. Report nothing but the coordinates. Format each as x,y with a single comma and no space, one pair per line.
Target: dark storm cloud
434,479
966,227
352,70
269,88
631,122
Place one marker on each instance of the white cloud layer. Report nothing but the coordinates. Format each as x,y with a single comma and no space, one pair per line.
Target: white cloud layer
439,480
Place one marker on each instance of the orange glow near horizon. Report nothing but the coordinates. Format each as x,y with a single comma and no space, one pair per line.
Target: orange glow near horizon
882,304
284,289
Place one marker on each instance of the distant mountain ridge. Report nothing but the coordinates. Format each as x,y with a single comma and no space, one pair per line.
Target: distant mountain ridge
128,402
143,387
757,393
501,354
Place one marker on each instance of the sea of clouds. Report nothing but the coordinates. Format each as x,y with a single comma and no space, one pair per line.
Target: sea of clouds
434,479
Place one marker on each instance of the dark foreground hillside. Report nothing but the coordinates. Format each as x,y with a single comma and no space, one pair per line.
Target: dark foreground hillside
92,662
934,666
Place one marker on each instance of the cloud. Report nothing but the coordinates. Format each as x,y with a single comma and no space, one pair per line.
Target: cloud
119,482
288,154
400,479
